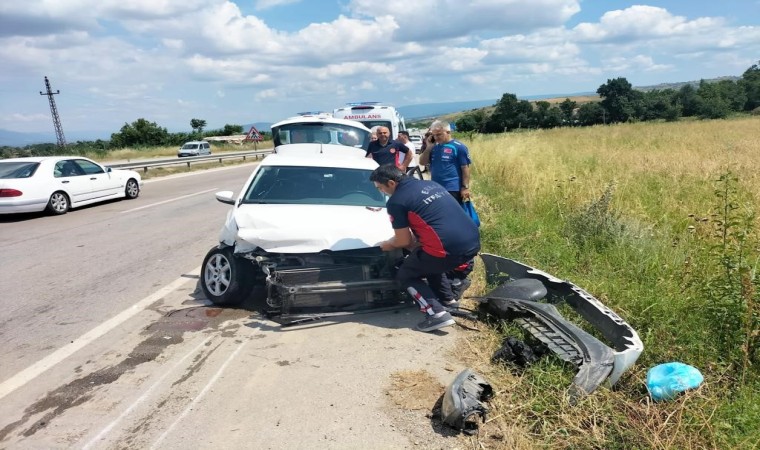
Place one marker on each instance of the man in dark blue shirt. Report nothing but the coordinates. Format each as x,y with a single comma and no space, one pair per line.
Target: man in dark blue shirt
386,151
432,224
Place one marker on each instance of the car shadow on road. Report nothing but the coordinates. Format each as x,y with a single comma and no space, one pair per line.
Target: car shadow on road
399,316
20,217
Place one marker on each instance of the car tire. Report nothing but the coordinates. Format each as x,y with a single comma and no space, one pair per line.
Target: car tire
58,203
224,278
132,189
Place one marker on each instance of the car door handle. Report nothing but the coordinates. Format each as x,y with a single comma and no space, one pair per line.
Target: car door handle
94,178
65,181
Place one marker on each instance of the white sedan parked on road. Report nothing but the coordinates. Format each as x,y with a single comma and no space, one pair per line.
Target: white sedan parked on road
58,183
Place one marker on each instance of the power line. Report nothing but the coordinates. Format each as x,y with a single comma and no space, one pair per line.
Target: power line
54,111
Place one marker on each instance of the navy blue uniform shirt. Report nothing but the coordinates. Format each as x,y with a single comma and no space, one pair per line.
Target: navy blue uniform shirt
435,217
385,154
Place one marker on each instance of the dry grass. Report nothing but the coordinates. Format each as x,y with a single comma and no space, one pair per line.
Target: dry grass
664,180
688,156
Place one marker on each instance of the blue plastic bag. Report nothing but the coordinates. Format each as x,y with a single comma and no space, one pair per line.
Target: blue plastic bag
666,381
469,208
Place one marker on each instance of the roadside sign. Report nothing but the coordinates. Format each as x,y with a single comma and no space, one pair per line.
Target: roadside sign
253,135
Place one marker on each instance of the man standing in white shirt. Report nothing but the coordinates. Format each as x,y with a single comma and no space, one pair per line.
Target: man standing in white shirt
411,167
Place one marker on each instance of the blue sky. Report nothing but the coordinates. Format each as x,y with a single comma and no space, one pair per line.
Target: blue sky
238,62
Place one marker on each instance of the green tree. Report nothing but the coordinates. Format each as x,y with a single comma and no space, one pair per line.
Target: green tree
591,114
474,120
510,113
658,104
689,101
229,130
713,104
750,82
567,107
619,100
140,133
197,125
546,116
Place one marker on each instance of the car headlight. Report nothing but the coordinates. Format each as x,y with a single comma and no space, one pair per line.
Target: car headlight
462,406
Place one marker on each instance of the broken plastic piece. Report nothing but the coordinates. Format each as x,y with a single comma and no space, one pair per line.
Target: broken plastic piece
462,406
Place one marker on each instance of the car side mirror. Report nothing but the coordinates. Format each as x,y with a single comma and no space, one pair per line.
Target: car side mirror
108,169
225,197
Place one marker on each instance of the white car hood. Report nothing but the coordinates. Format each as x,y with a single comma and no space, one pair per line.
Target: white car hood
306,228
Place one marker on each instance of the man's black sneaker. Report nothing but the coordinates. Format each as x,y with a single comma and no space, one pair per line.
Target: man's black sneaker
432,323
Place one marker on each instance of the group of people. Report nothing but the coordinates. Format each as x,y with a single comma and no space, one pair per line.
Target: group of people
428,220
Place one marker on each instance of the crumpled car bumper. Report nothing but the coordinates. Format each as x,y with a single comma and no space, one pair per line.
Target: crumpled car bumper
516,297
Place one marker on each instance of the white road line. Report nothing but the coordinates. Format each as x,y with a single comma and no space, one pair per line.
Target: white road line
198,398
144,396
33,371
168,201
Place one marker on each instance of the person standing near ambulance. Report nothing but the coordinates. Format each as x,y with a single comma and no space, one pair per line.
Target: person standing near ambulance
449,161
385,151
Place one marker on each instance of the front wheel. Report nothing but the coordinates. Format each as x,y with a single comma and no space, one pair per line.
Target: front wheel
225,279
132,189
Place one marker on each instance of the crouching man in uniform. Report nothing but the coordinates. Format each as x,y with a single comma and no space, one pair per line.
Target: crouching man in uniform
427,220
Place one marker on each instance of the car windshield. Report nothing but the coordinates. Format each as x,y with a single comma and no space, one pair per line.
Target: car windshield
190,146
320,133
11,169
314,186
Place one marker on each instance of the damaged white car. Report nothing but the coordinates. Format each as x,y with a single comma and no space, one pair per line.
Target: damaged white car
302,232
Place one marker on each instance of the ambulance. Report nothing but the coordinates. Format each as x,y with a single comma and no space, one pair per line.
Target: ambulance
373,114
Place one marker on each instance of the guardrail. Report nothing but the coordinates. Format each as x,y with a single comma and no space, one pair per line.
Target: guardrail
189,160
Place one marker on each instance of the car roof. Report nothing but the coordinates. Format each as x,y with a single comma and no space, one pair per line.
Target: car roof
41,158
330,159
196,142
320,118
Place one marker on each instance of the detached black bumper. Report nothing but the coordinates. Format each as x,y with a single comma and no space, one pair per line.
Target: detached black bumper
516,297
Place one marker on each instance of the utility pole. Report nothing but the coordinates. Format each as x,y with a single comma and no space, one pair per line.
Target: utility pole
54,111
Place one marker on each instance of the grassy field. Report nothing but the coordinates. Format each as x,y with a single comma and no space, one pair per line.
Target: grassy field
657,220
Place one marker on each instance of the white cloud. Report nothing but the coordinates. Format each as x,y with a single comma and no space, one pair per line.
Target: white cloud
637,63
143,55
642,22
427,20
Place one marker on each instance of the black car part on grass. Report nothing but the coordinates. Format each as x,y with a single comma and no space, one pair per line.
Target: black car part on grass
517,352
520,287
462,407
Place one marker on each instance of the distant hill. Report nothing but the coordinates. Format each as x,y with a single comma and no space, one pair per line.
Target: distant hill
261,126
678,85
428,110
18,139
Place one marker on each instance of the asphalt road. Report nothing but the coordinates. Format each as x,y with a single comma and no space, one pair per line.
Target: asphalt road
107,341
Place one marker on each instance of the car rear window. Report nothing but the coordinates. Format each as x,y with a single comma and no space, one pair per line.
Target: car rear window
314,186
13,169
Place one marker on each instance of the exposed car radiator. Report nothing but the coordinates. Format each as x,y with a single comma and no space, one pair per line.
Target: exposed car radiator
334,287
